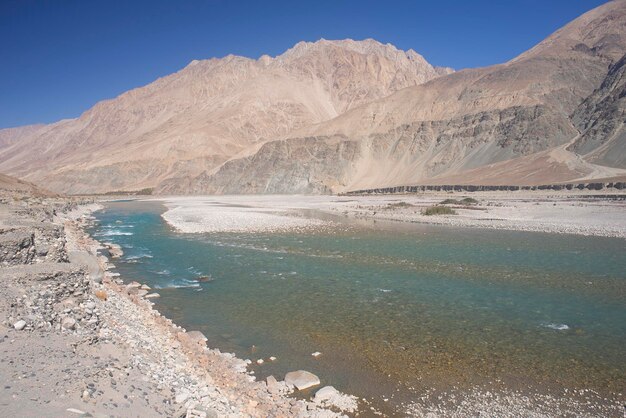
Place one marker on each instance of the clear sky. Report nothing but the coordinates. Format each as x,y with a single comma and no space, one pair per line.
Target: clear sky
60,57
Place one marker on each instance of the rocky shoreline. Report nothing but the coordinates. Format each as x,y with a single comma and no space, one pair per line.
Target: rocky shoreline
78,340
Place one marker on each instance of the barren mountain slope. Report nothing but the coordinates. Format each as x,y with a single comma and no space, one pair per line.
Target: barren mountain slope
193,120
601,119
448,126
11,184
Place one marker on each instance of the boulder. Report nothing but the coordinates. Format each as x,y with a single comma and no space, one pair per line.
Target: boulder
272,385
302,379
152,296
326,393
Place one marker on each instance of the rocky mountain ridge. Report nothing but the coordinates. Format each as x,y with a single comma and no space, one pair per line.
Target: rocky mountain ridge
334,116
513,123
192,121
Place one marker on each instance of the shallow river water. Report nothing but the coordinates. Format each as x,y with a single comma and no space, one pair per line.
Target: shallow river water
395,309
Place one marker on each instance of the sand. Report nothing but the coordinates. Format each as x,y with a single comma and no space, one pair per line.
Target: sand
191,215
581,213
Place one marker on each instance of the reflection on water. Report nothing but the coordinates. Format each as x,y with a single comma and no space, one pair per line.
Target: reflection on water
392,309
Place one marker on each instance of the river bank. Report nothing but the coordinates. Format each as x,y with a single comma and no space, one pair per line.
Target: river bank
382,261
78,340
107,352
564,212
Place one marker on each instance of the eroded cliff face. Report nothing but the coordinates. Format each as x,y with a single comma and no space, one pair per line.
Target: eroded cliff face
601,119
404,155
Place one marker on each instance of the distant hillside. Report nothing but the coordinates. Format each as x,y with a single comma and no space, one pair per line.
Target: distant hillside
11,184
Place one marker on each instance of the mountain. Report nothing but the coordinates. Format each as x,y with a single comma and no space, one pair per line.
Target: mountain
555,113
601,118
12,185
333,116
191,122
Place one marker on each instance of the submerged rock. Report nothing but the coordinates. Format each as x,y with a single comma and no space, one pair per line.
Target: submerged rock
329,396
197,337
302,379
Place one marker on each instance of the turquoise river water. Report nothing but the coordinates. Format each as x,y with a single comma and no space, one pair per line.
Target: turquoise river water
395,309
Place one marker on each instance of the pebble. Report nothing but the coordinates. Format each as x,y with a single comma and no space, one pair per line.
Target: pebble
19,325
181,397
68,323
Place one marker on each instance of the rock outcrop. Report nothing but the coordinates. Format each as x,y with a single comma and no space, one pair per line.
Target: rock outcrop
601,119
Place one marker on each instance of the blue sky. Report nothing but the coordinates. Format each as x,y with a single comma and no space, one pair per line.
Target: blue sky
59,57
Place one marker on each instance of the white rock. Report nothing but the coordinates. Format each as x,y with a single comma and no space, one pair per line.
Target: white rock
19,325
152,296
260,361
181,397
302,379
272,385
325,393
68,323
316,354
272,358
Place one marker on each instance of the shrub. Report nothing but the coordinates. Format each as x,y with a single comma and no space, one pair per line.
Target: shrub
399,205
464,201
450,202
438,210
469,201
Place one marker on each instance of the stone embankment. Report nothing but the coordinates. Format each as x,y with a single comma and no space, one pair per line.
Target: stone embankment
479,188
76,339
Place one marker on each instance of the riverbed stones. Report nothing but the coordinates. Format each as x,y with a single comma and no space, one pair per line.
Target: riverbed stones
302,379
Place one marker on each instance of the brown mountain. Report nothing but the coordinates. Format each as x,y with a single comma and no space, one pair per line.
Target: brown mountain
12,186
332,116
194,120
514,123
